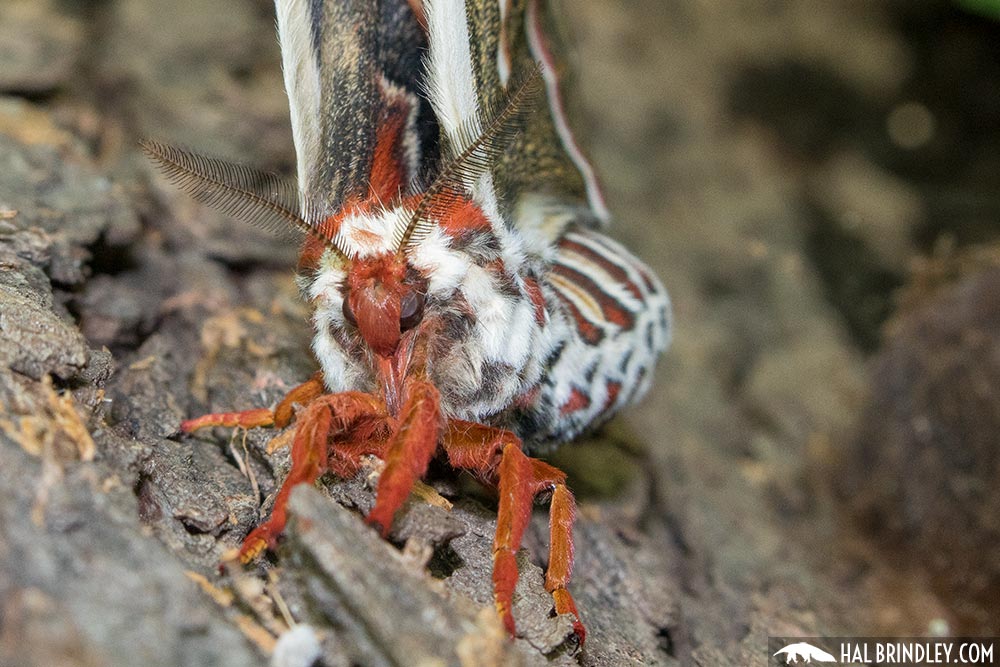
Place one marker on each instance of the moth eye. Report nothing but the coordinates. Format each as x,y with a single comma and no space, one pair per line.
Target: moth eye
349,314
411,310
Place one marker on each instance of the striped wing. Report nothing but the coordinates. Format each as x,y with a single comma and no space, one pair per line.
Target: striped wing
546,160
477,50
348,64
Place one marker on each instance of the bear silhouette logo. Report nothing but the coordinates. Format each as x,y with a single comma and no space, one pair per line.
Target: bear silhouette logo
807,652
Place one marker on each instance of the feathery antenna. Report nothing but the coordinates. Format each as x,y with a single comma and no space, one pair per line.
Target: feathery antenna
259,198
480,142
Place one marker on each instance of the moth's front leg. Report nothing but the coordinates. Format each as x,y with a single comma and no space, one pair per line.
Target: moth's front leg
413,444
345,418
256,418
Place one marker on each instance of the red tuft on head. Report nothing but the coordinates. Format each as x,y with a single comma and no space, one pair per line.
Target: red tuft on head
313,248
375,292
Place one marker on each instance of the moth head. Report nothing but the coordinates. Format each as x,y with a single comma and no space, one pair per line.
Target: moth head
380,302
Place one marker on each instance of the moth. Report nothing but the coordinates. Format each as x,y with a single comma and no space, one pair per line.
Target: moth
465,301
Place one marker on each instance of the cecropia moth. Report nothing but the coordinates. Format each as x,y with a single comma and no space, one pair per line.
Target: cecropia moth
466,304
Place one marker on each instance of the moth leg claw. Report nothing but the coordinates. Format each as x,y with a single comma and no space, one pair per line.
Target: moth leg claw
259,539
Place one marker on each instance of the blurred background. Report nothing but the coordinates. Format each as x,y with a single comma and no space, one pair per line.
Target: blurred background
816,183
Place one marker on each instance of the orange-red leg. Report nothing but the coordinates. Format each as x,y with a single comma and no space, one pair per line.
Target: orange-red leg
280,417
517,493
346,416
496,454
562,512
302,395
412,446
245,419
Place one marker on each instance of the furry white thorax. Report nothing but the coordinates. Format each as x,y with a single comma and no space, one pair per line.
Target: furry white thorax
503,334
369,234
502,351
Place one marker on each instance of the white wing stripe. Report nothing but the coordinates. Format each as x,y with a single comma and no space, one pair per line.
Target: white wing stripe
451,81
302,84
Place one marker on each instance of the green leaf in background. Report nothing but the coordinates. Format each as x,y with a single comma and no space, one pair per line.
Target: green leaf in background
989,8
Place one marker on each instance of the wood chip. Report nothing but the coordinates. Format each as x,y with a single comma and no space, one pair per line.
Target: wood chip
222,597
256,633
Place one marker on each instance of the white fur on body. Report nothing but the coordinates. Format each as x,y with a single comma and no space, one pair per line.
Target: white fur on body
505,349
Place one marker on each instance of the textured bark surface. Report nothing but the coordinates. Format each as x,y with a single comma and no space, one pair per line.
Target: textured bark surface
749,153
